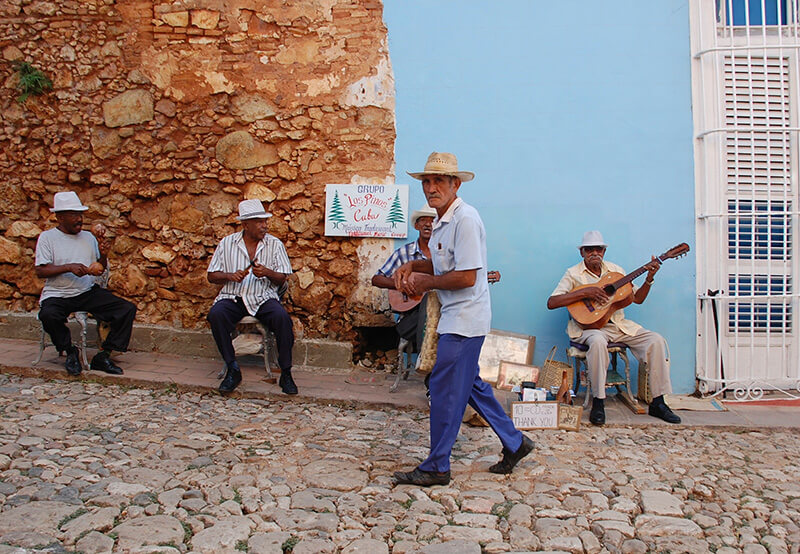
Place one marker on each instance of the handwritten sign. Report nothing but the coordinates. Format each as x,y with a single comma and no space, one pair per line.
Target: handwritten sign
366,211
569,417
535,415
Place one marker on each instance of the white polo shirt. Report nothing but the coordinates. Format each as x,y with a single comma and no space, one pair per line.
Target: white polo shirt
458,243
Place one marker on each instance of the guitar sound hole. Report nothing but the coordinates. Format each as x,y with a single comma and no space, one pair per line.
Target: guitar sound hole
609,289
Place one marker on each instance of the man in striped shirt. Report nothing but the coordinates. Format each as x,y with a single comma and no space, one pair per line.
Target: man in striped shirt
252,266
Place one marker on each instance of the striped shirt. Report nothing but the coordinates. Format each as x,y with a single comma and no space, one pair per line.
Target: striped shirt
231,256
404,254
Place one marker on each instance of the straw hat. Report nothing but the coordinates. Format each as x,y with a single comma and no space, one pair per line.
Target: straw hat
425,211
592,238
252,209
443,163
67,202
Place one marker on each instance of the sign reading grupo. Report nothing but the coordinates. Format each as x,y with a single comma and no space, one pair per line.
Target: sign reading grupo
366,211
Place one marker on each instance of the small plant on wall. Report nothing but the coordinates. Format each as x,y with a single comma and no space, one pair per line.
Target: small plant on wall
31,81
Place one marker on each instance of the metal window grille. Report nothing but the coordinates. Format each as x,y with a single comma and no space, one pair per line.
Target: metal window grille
745,79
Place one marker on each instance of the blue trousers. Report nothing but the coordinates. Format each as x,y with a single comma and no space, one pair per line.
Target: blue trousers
455,381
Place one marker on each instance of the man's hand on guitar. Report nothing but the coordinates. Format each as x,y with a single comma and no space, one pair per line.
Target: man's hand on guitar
494,276
652,268
417,284
401,276
596,294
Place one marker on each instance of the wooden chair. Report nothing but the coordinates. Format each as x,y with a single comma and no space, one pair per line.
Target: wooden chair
577,353
82,319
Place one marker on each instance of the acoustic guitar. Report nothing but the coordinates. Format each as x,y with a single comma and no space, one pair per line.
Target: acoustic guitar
401,302
593,315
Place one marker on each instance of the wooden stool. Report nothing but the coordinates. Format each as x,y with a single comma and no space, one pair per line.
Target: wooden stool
577,351
269,348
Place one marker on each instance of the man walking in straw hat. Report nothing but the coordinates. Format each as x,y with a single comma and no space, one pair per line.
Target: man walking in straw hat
252,266
457,270
69,259
645,345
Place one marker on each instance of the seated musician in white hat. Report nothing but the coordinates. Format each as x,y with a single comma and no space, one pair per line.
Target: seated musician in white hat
646,345
252,265
69,259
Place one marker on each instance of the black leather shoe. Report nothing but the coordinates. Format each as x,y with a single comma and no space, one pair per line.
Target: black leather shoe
662,411
73,363
233,376
286,382
421,478
102,362
598,414
510,459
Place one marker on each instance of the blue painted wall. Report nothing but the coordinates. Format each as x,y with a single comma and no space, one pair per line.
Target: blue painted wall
574,115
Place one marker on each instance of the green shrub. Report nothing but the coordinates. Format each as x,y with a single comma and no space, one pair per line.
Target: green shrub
31,81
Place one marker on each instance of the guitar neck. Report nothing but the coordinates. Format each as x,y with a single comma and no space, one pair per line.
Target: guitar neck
635,273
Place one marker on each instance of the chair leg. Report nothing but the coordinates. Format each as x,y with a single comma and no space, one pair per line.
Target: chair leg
401,365
80,317
588,396
271,356
41,347
627,391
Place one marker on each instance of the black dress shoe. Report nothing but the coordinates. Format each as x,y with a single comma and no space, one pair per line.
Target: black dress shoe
662,411
421,478
286,382
233,376
510,459
73,363
598,414
102,362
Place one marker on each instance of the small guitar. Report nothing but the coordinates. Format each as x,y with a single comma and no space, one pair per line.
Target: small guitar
593,315
401,302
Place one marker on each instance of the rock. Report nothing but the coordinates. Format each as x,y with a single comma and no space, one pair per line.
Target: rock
251,107
35,517
223,536
100,520
205,19
128,281
176,19
366,546
128,108
238,150
126,489
452,547
155,530
12,53
10,252
26,229
340,475
105,142
258,192
95,543
648,526
305,278
167,107
159,253
660,503
267,543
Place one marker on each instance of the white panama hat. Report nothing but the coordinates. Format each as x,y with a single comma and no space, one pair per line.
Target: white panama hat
67,202
592,238
442,163
252,209
425,211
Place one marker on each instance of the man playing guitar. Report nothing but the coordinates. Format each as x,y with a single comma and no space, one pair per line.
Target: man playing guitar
646,345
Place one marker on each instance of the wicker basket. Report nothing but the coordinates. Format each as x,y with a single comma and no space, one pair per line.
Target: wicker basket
427,354
644,393
552,370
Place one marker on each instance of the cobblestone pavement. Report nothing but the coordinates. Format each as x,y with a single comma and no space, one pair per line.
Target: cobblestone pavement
100,468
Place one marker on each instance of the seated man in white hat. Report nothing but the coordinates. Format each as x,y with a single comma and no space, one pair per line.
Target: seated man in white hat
252,266
69,258
646,345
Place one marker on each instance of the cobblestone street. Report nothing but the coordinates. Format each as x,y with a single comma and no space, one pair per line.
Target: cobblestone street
99,468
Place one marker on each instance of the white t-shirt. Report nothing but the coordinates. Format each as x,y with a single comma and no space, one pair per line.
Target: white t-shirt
59,248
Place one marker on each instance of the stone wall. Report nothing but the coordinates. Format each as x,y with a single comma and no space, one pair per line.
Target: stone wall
164,115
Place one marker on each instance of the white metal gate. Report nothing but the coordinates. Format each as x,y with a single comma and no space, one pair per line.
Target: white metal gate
745,77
